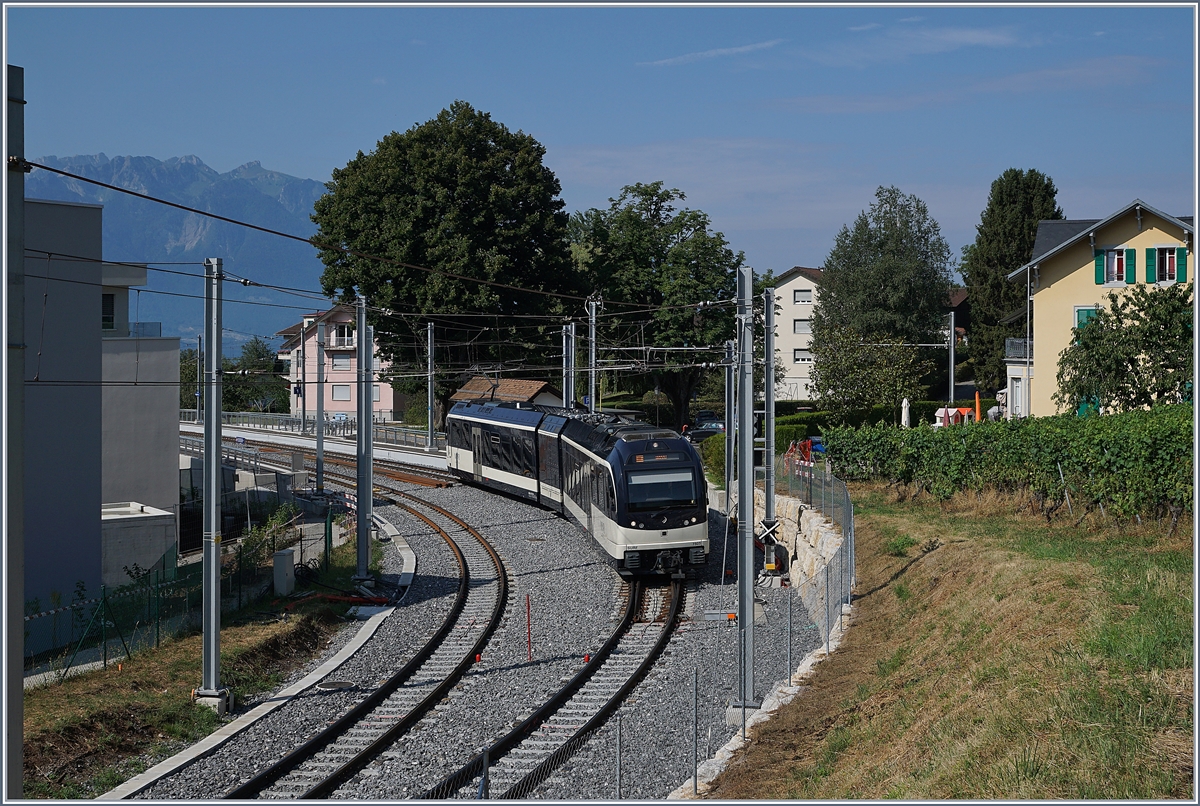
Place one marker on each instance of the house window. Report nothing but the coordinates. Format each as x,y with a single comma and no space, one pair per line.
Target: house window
341,363
341,391
802,296
108,312
802,326
1084,315
343,336
1162,265
802,356
1114,266
375,363
375,392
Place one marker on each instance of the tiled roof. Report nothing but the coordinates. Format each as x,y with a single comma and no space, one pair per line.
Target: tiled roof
957,297
509,390
1052,233
804,271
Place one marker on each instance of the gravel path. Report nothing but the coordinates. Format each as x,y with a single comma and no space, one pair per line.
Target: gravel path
573,598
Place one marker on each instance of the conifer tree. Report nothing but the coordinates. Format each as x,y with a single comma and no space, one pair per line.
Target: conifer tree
1003,243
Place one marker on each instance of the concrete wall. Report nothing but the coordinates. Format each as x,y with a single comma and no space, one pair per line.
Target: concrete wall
1069,280
62,400
132,533
141,423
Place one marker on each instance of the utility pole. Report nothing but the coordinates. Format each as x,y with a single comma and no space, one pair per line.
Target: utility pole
303,380
730,423
14,435
769,424
745,325
199,379
364,428
592,356
564,368
570,392
210,690
320,408
950,403
429,394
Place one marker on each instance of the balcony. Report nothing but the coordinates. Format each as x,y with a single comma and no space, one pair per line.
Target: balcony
135,330
1018,349
341,343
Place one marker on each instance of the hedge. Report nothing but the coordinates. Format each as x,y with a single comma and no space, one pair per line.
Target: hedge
1137,464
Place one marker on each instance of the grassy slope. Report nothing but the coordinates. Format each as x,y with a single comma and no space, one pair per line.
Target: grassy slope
87,734
993,656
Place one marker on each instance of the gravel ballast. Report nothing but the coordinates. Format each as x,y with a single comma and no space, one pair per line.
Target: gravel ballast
573,600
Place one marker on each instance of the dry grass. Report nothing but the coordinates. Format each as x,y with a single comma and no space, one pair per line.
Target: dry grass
988,663
85,734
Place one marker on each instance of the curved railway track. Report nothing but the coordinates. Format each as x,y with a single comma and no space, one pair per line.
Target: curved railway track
517,763
324,762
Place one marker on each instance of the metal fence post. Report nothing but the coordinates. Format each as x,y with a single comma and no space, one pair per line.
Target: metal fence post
695,729
826,609
618,756
103,606
157,608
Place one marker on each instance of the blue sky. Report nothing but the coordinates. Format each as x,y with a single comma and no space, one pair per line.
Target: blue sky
779,122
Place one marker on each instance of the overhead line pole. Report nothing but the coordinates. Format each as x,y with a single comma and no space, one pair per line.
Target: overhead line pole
591,303
363,429
571,365
769,414
730,422
320,408
745,325
210,687
303,380
428,392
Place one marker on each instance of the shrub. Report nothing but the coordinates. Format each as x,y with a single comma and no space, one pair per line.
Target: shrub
1131,465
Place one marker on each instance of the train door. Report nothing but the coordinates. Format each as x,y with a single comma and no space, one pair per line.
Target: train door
476,453
585,497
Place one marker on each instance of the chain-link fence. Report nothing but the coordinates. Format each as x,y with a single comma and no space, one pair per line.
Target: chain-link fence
164,602
802,474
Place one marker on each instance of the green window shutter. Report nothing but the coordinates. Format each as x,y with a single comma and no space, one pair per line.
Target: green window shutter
1130,266
1099,255
1151,265
1181,264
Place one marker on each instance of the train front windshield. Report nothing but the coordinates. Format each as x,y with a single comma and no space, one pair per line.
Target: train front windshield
658,489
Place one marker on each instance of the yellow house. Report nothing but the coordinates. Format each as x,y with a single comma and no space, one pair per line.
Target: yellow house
1075,265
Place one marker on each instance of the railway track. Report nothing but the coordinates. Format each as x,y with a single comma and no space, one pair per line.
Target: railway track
321,764
515,765
394,471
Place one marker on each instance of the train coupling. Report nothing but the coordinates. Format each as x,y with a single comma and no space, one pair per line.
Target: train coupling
669,562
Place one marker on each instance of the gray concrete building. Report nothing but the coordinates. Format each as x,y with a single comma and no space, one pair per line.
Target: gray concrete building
62,401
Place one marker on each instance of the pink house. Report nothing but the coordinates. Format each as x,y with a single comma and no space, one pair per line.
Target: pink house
341,366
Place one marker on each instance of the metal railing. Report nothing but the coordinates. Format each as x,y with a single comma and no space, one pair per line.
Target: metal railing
348,427
1018,349
811,482
235,456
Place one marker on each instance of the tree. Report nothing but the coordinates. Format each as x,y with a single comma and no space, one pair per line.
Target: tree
188,399
888,275
1003,243
1134,354
253,381
664,263
852,373
886,280
462,195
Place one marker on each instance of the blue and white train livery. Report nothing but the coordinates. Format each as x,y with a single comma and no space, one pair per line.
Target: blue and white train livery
637,489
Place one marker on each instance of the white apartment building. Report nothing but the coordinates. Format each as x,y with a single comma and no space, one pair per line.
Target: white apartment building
796,294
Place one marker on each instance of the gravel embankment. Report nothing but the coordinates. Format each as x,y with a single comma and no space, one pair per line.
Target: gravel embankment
573,599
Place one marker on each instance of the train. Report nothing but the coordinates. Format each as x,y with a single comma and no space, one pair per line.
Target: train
637,489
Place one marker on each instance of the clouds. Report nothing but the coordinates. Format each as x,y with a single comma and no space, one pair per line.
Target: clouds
1110,71
899,43
687,58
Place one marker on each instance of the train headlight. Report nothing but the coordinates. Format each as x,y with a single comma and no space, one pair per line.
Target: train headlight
633,523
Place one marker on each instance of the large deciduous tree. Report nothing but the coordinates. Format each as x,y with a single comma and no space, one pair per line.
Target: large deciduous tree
1003,243
1133,354
644,253
457,195
852,373
886,281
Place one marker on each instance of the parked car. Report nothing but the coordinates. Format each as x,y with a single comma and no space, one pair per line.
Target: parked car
706,414
705,429
340,416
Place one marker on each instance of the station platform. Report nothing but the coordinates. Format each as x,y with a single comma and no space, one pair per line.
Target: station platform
334,445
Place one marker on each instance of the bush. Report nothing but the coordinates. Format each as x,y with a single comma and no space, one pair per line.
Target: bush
416,413
1134,464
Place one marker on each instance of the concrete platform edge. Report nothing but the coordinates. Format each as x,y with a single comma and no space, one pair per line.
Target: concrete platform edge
214,740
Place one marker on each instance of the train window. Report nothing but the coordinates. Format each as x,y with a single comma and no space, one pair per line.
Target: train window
650,489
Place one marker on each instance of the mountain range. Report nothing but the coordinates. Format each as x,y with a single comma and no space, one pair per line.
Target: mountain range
142,231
